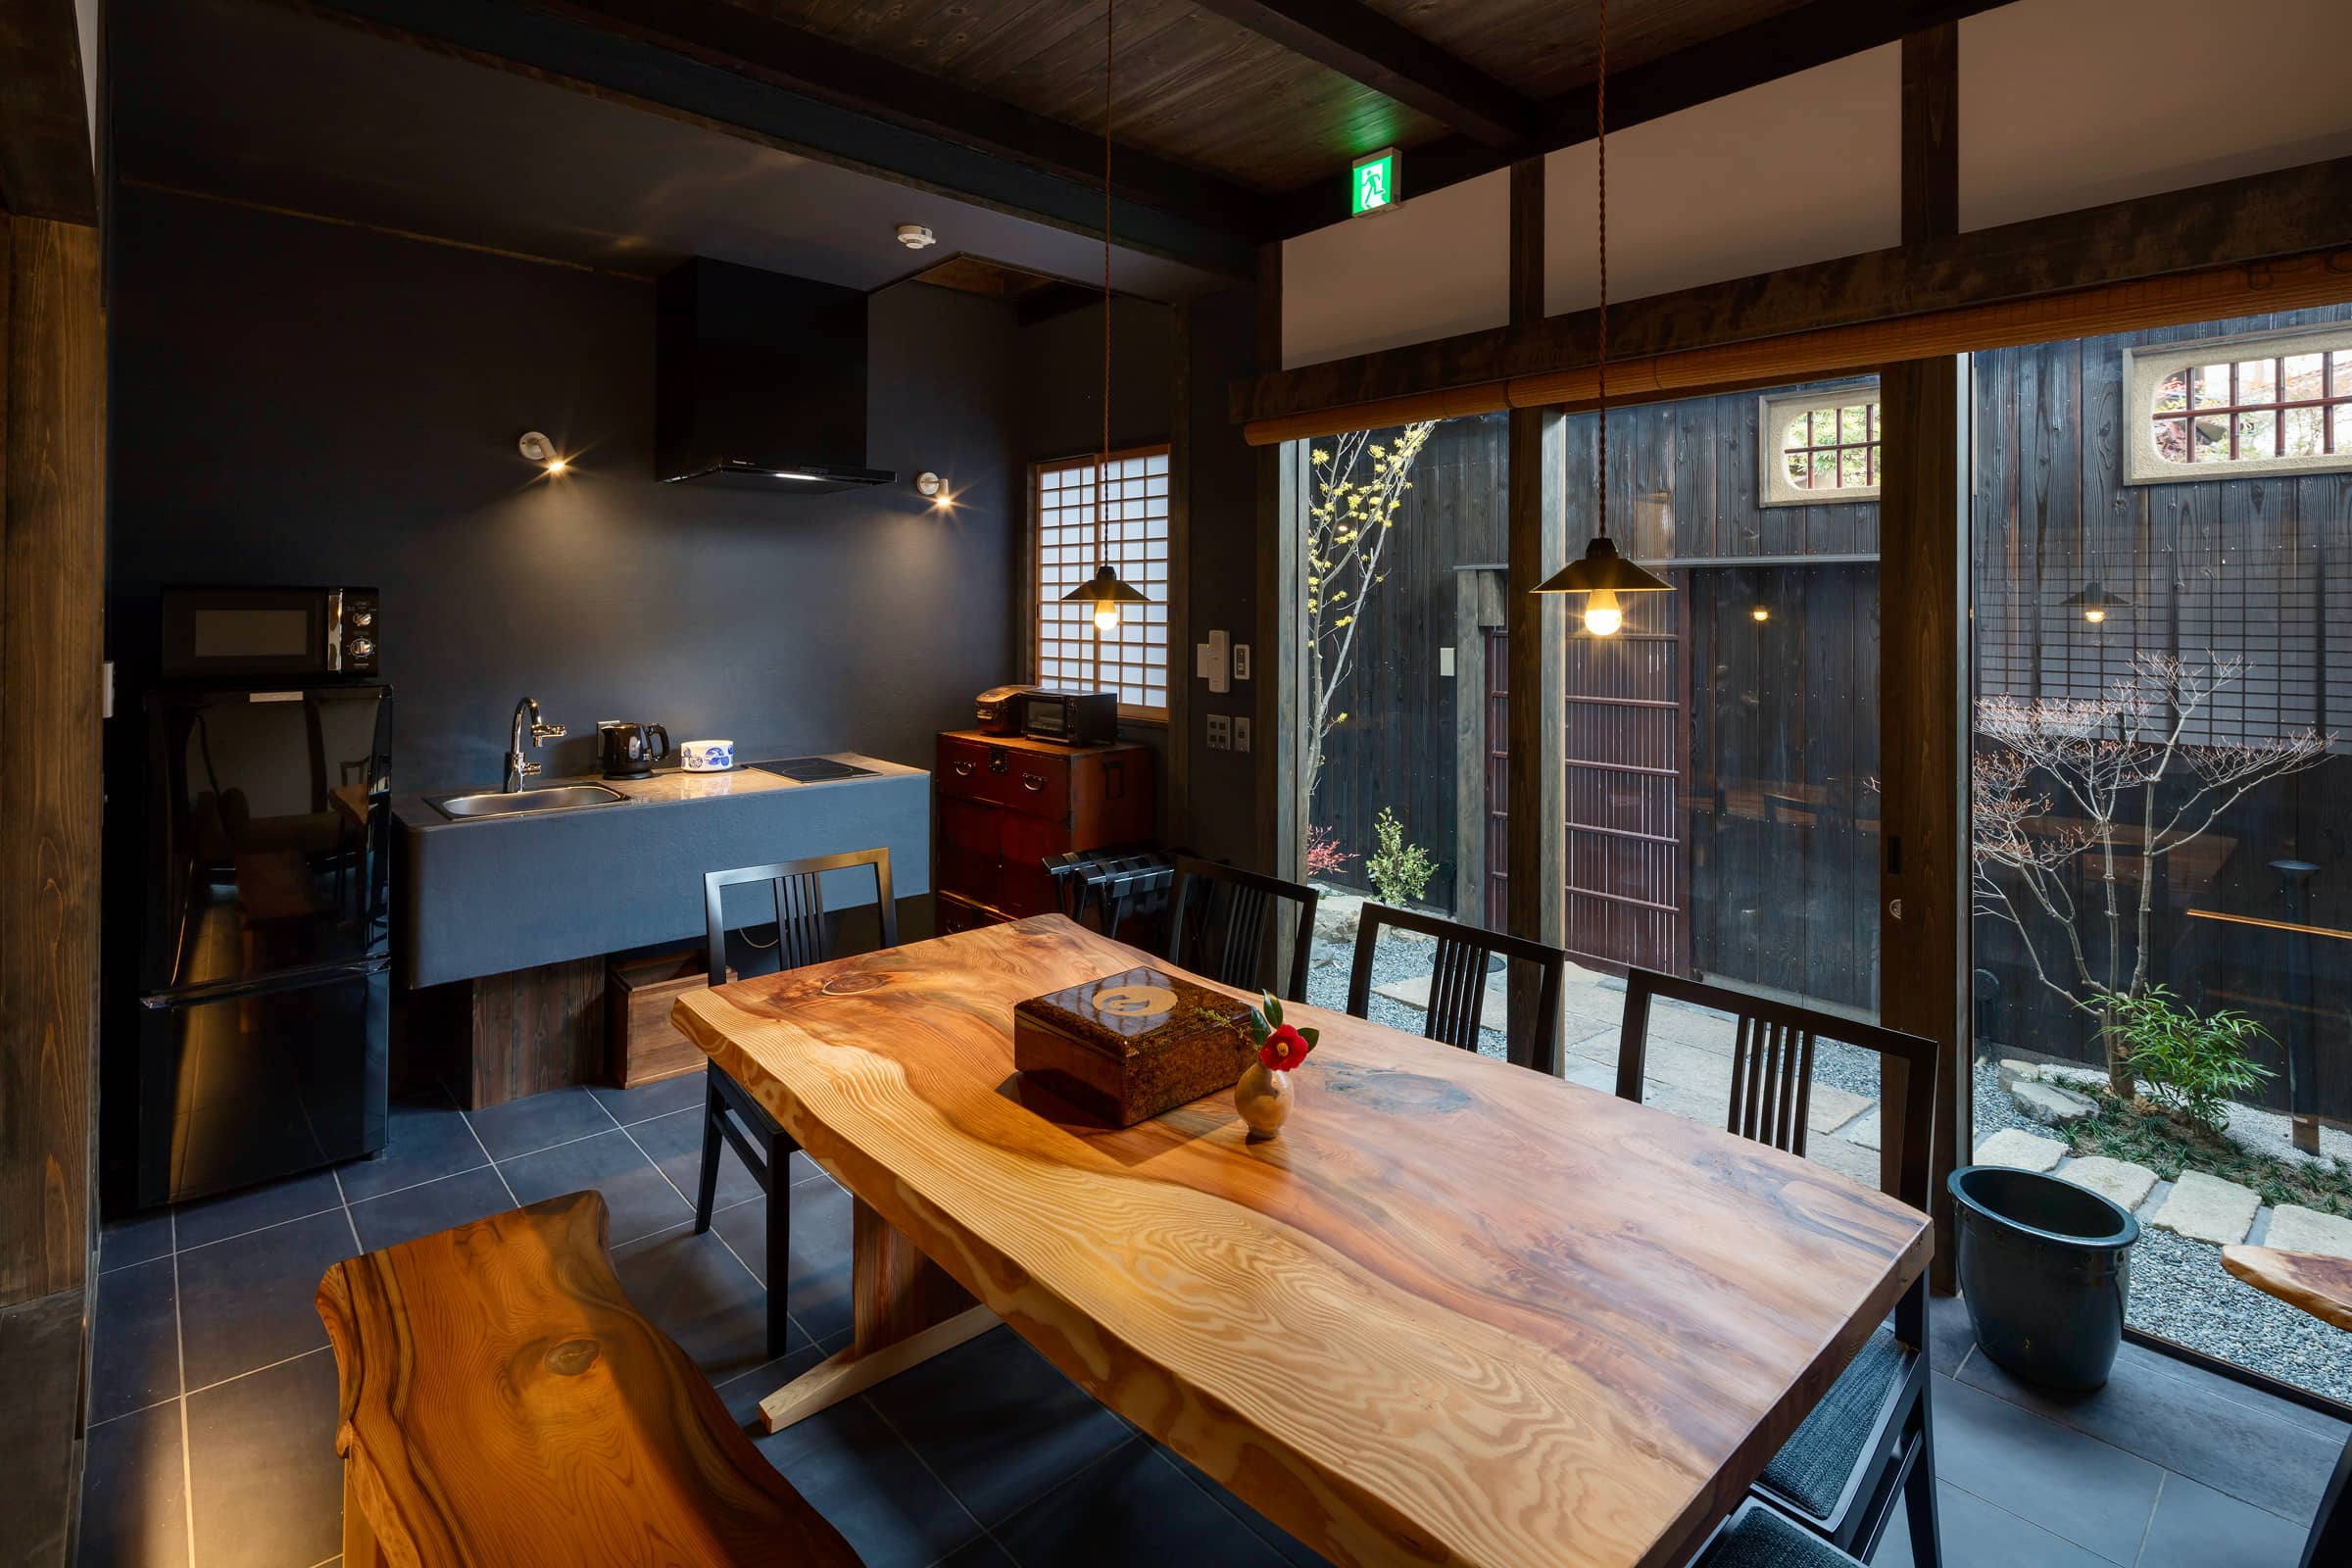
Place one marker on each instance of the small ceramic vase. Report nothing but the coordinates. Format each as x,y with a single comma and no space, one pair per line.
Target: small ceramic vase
1263,1098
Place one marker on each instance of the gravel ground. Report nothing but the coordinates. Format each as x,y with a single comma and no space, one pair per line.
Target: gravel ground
2180,1291
1392,961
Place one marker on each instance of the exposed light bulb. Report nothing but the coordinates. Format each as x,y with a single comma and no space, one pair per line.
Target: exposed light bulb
1107,618
556,464
1602,617
2094,615
1759,613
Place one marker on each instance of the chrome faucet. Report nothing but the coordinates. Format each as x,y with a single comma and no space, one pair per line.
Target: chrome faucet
525,711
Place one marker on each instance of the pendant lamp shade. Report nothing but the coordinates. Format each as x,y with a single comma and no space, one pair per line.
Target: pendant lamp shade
1106,593
1602,571
2094,601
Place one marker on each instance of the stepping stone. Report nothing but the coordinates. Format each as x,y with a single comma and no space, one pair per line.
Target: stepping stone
2206,1208
1495,1007
2014,1072
2021,1150
2050,1105
2296,1228
1830,1108
2119,1181
1863,1133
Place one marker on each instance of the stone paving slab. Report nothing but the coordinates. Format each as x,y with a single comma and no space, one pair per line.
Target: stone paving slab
2049,1103
2206,1208
2019,1151
1494,1010
2296,1228
2119,1181
1864,1133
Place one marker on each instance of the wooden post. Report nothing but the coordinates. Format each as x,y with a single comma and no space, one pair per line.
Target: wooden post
1924,657
1537,853
1281,703
1177,811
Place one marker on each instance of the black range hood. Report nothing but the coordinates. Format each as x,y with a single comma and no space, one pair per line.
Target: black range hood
761,382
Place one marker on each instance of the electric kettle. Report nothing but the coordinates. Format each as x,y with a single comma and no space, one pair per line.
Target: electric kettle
629,751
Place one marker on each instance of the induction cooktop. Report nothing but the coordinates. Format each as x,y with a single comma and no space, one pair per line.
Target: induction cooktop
811,769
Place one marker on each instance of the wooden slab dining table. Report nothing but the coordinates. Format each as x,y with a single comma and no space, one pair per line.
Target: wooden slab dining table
1456,1312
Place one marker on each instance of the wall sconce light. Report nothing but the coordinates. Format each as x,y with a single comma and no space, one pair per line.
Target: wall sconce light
1759,614
536,446
932,488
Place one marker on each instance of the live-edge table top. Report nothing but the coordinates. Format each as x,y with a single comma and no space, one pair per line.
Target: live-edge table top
1457,1312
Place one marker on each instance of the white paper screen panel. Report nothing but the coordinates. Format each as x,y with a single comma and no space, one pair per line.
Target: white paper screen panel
1436,266
1805,169
2067,104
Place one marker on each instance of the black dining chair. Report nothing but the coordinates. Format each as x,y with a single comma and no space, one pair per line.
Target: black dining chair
729,1111
1457,982
1869,1441
1222,923
1111,883
1759,1536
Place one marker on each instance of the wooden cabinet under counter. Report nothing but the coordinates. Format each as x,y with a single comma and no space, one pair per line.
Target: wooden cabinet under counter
1006,803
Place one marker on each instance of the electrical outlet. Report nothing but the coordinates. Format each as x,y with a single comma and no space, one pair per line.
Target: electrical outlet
1241,734
1220,732
1241,660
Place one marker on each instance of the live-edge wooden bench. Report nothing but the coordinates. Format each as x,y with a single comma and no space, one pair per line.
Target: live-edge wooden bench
504,1405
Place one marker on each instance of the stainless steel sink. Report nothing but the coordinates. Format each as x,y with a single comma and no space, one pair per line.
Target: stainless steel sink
514,802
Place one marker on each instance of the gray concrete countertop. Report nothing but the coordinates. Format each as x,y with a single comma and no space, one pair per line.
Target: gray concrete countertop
484,895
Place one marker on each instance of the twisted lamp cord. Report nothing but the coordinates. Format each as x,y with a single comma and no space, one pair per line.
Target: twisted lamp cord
1601,153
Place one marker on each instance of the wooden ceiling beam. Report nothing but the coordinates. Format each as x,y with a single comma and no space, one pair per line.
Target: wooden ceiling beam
1365,46
46,166
1812,35
744,73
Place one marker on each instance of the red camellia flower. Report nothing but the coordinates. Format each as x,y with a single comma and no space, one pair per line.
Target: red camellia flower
1284,1049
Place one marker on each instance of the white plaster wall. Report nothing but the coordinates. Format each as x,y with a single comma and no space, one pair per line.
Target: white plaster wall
2067,104
1436,266
1805,169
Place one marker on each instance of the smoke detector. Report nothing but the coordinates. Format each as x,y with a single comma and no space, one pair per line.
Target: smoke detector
914,236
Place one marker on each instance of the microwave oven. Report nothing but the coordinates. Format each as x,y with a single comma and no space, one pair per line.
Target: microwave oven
241,633
1075,718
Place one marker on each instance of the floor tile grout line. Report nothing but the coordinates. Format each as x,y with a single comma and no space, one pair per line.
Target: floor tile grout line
124,1415
187,1463
715,1212
2030,1524
346,1202
2148,1530
1198,1483
267,1366
978,1523
475,1133
239,1236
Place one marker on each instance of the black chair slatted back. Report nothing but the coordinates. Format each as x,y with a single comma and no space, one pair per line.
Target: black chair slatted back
798,890
1221,922
1458,981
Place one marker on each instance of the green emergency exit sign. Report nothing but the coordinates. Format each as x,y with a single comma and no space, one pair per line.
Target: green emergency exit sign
1373,186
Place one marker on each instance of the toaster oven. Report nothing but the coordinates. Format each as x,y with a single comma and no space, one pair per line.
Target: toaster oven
1075,718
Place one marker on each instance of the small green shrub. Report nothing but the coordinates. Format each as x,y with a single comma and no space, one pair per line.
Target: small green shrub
2193,1063
1400,870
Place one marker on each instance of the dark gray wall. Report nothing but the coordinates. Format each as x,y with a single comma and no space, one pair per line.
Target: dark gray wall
297,402
1221,567
1061,387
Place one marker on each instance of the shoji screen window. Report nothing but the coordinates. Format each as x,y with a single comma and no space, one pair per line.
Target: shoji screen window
1130,531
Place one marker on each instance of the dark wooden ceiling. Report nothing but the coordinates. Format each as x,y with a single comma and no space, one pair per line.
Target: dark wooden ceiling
1190,85
1201,87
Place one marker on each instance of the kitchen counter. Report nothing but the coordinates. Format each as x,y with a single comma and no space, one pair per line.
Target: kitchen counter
485,896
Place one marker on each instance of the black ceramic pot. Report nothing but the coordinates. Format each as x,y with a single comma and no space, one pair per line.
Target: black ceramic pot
2045,1267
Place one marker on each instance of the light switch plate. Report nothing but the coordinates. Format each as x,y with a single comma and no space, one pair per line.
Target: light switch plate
1220,661
1200,660
1241,734
1241,660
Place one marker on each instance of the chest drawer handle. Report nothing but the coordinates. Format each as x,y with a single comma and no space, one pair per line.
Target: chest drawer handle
963,767
1033,783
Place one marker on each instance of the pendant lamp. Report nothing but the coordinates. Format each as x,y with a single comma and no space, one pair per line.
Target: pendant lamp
1103,591
2094,601
1602,575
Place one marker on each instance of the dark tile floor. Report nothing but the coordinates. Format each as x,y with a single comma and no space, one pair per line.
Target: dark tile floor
213,1398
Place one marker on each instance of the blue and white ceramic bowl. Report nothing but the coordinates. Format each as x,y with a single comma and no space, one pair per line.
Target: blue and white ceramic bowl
707,756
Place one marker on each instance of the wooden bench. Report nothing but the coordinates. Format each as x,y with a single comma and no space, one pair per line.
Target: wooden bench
503,1403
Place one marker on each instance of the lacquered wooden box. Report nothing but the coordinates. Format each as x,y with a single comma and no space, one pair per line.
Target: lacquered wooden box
1129,1047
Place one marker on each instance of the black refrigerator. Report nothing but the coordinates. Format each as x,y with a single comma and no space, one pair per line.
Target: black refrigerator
265,966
